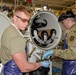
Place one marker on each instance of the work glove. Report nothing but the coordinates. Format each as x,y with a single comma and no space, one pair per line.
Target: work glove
47,54
45,64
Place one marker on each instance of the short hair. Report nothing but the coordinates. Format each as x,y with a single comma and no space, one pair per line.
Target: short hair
67,14
21,8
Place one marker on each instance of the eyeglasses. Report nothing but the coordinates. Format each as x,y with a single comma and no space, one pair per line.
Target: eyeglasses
23,20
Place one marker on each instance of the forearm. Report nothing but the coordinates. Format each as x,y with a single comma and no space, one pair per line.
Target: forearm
31,67
24,65
67,54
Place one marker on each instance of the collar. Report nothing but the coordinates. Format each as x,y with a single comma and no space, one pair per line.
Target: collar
17,29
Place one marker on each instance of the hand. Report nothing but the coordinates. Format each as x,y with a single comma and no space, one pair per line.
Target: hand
45,64
47,54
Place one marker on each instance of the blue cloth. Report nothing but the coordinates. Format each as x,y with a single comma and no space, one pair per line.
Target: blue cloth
65,44
69,67
10,68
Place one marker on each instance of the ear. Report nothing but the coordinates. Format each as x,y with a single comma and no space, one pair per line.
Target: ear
14,18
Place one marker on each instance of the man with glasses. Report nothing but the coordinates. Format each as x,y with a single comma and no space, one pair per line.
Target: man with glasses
68,53
13,53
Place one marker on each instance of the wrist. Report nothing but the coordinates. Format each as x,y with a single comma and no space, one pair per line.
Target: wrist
55,51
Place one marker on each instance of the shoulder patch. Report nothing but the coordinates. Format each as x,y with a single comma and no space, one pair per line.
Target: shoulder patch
71,38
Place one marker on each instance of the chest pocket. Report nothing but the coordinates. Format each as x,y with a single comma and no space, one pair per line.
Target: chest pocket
71,38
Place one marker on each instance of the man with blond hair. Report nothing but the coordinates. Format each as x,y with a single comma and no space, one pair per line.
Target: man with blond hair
13,51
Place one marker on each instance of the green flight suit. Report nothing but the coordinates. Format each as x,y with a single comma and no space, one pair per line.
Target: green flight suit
70,53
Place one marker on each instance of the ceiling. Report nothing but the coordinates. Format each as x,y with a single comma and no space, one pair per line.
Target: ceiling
53,4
